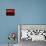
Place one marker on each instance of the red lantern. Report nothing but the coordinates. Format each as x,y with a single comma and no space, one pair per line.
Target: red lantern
10,12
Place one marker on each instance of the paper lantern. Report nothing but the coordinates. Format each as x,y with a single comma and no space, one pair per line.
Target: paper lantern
12,36
10,12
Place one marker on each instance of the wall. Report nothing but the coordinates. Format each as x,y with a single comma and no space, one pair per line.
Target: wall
31,11
27,12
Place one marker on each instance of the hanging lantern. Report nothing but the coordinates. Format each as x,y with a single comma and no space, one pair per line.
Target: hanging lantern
12,36
10,12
